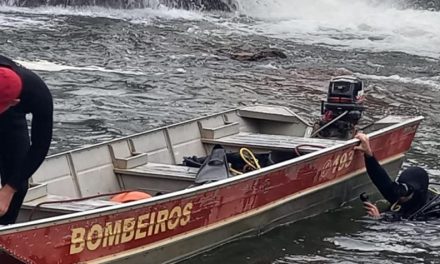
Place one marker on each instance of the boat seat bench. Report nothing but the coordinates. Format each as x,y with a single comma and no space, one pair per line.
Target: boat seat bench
272,142
151,170
155,178
68,207
160,170
178,175
134,171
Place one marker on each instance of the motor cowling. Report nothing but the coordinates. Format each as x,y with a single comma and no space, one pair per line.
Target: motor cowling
342,109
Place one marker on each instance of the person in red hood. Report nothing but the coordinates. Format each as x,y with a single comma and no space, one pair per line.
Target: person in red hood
21,92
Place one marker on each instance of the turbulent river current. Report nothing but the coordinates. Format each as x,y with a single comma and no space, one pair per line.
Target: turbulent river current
114,72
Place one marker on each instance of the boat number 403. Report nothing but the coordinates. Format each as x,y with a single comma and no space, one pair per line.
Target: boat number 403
339,162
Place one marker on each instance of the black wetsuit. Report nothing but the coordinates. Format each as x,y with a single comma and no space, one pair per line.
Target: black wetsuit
423,203
21,155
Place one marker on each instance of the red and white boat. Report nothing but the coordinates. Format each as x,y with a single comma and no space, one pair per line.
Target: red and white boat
309,176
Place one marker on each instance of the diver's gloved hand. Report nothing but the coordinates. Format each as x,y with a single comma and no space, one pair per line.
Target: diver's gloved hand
364,146
372,209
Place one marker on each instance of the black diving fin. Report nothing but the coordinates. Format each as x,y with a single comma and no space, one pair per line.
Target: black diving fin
214,168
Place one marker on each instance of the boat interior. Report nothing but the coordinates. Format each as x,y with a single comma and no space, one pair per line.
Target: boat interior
171,158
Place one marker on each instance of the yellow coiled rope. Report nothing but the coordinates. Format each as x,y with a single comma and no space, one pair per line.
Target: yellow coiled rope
250,160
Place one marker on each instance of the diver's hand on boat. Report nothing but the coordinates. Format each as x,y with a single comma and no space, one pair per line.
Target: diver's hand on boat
364,146
6,194
372,210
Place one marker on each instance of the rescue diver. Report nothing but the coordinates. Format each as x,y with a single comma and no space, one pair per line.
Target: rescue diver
21,92
409,195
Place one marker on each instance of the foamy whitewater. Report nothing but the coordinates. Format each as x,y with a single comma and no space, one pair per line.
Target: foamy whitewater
343,24
361,24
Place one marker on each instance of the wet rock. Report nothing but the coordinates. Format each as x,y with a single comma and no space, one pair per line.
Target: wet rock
258,55
431,5
208,5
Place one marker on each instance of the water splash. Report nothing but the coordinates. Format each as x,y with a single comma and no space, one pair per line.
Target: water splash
390,25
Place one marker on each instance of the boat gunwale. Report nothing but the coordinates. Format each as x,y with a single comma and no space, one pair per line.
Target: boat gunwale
120,208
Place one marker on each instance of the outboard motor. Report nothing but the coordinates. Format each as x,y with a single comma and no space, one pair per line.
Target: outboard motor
342,109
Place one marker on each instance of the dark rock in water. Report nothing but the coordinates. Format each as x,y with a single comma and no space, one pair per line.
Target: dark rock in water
222,5
207,5
103,3
258,55
431,5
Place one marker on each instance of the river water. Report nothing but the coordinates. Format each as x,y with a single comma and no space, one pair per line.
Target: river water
115,72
